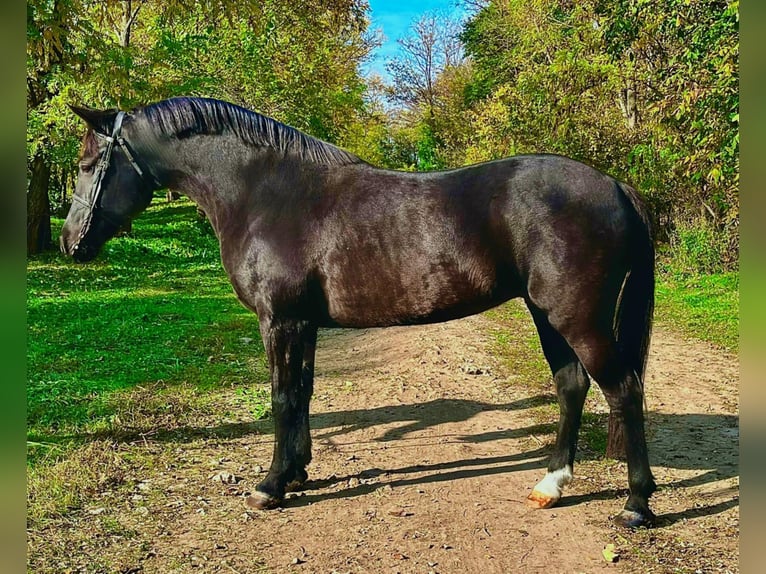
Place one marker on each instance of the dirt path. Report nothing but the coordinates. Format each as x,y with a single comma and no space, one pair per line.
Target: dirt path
424,454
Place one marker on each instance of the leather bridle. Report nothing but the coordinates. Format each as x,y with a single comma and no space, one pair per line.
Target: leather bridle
90,202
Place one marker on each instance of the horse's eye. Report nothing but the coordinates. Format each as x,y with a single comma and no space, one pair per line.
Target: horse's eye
86,167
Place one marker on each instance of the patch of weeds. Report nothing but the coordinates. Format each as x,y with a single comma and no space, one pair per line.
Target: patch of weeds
257,399
705,307
698,248
593,432
112,526
56,486
516,343
148,408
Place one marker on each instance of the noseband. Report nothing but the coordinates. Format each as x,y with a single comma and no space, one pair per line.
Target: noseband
90,202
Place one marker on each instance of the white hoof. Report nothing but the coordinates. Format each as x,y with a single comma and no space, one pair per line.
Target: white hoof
549,490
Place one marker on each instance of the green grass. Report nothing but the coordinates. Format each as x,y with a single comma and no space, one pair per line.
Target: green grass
154,311
701,306
517,344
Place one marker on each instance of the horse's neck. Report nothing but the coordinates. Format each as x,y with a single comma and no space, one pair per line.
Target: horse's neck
209,171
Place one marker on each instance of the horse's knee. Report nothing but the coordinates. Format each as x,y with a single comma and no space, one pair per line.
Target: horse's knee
571,381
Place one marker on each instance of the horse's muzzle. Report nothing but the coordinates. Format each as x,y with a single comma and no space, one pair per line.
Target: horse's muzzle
81,253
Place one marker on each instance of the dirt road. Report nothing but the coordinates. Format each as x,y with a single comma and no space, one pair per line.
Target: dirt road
425,449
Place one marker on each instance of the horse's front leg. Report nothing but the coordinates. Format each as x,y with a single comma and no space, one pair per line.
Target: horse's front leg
287,343
572,385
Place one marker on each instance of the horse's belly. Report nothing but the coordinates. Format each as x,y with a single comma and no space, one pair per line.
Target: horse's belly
377,298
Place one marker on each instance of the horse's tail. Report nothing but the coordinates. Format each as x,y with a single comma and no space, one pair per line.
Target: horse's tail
635,307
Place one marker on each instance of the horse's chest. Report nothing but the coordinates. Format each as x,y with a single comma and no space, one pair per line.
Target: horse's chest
265,276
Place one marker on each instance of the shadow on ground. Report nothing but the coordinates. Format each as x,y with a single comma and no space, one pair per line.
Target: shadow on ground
682,441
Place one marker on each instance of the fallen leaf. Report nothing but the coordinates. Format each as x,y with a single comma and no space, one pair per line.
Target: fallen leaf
225,478
400,512
610,554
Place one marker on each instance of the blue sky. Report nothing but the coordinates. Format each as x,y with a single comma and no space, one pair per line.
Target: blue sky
394,18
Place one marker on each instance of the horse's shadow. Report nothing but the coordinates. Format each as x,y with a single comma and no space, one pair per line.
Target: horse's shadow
421,416
703,442
718,458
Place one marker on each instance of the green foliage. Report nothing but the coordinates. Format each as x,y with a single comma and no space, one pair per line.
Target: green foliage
544,79
258,400
685,57
698,248
428,150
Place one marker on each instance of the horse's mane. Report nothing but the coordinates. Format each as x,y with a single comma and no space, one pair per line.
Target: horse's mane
183,117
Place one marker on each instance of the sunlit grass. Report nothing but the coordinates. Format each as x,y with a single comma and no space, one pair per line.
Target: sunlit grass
155,309
705,307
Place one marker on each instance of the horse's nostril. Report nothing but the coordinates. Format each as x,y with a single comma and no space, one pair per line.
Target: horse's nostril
62,244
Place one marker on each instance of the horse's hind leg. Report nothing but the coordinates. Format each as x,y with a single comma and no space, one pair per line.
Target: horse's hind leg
286,345
572,385
624,393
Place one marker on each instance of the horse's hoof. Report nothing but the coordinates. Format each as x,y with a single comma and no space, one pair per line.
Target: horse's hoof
262,501
539,499
632,519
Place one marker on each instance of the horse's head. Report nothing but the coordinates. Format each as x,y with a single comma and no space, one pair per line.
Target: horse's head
113,185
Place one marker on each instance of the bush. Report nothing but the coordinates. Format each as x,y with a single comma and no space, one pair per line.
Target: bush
697,247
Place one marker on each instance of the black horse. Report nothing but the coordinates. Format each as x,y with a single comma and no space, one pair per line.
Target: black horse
312,236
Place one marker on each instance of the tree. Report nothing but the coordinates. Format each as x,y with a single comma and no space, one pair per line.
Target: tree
431,47
48,48
645,91
687,68
429,50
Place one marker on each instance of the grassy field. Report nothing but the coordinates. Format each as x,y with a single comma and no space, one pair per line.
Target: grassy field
705,307
155,313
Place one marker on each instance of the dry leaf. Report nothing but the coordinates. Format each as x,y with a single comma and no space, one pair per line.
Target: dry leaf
400,512
225,478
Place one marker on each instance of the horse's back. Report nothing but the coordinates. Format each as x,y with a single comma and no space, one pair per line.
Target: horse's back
410,248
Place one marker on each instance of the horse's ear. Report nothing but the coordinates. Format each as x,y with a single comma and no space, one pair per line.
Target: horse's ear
100,120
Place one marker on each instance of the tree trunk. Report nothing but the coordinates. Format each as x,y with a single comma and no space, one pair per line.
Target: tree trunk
172,195
615,442
626,100
39,207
